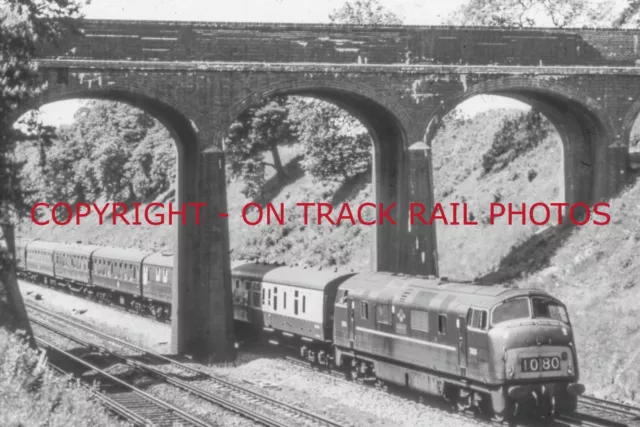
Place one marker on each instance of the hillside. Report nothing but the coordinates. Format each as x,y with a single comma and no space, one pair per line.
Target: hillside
592,269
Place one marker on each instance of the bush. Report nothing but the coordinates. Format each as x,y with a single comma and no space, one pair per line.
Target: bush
516,137
32,395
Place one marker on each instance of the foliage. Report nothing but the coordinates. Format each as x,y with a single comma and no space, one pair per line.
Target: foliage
23,25
33,396
337,145
112,150
258,129
517,136
530,13
364,12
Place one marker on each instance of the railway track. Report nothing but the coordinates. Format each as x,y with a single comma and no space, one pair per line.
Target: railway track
122,398
594,412
247,403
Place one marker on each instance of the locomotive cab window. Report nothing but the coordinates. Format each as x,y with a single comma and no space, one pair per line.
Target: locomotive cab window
517,308
544,307
442,324
477,319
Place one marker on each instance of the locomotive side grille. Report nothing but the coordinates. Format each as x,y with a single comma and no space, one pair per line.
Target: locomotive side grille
420,320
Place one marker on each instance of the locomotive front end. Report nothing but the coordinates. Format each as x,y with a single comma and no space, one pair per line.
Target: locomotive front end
534,356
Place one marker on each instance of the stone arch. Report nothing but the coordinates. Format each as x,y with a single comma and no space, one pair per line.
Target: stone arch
169,112
197,179
585,129
387,123
351,96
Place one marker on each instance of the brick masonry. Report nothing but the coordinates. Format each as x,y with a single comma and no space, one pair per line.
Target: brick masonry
197,77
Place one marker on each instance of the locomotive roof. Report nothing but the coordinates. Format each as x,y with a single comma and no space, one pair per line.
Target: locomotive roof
120,254
292,276
159,259
428,293
76,249
42,245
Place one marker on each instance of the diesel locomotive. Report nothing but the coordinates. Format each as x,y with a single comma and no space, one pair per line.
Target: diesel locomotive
489,349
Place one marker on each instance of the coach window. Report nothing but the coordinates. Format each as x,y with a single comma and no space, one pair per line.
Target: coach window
304,303
110,268
383,315
275,298
284,301
295,302
264,293
364,310
442,324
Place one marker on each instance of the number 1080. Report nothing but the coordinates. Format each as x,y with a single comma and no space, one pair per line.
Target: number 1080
537,364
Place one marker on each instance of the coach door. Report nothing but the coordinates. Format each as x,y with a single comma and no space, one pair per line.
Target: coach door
461,324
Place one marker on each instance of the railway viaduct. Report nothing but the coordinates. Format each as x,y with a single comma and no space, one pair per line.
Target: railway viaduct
196,77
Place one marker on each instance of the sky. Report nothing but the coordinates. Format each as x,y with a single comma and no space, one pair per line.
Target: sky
413,12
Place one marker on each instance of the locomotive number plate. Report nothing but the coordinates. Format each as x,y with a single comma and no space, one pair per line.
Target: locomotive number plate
540,364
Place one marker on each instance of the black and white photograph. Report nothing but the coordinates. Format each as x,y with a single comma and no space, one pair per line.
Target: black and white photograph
338,213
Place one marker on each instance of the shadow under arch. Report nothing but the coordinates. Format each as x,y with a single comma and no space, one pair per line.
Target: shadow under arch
387,124
584,128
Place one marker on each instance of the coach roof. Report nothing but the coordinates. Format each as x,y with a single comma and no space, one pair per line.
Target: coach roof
76,249
292,276
160,259
41,245
120,254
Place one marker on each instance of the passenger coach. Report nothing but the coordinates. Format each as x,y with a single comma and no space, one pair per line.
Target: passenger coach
117,271
290,303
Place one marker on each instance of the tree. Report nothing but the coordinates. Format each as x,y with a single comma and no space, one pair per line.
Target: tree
364,12
530,13
111,150
23,25
257,130
337,146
